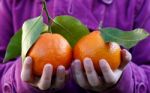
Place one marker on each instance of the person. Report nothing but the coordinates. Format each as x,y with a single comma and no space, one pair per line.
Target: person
133,76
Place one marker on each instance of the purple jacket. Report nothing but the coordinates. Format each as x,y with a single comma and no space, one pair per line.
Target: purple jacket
123,14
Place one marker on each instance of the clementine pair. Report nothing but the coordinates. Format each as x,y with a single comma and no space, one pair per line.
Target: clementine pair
54,49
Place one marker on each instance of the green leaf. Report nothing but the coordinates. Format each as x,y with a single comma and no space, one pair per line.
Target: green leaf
69,27
14,47
127,39
31,31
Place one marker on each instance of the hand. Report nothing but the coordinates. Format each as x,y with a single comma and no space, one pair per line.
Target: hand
90,80
45,82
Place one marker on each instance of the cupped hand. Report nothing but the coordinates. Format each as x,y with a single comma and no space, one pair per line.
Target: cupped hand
45,81
91,81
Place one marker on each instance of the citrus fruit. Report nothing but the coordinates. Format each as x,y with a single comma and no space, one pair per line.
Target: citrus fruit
50,49
94,47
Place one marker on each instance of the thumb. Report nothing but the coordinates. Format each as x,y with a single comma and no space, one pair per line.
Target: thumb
26,70
125,58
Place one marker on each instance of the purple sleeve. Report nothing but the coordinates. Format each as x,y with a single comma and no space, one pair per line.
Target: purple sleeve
136,76
6,26
10,81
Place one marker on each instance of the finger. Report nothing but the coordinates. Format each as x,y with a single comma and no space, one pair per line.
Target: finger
26,70
60,77
126,55
91,73
126,58
45,81
79,75
117,74
108,74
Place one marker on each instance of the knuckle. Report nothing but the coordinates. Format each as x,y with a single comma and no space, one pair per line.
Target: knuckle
88,65
105,69
83,85
94,83
60,81
130,56
111,81
47,78
77,72
43,87
93,80
88,69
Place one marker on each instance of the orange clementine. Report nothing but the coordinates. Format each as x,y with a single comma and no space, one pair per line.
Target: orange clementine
50,48
94,47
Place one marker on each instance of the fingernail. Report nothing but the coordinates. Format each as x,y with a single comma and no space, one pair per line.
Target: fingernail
76,62
87,59
124,51
102,63
48,67
61,69
28,60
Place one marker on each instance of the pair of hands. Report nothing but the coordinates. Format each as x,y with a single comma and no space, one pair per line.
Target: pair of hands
88,80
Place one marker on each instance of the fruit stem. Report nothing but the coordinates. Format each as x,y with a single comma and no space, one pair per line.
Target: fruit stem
49,18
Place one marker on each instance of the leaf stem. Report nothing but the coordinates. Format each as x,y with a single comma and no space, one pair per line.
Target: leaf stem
49,18
100,25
